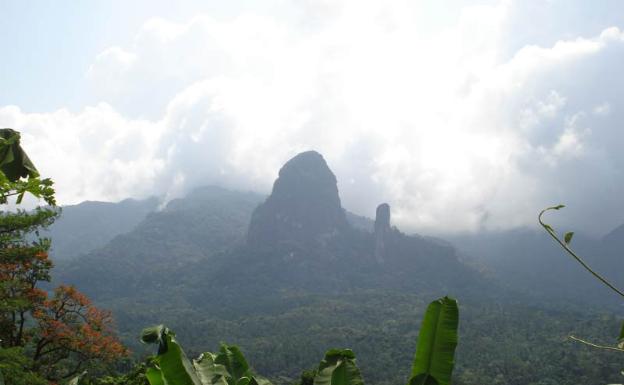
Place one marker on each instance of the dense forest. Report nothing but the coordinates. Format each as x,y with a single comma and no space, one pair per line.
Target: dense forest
285,277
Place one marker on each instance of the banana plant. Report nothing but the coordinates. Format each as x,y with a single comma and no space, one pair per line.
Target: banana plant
172,367
433,362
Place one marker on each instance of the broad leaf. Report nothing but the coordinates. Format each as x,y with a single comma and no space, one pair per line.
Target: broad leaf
76,379
234,362
174,367
14,162
568,237
437,341
259,380
154,376
423,379
208,372
338,368
154,335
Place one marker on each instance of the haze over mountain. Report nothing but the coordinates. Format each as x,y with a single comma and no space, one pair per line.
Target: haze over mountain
207,222
301,232
238,266
90,225
457,114
299,237
444,127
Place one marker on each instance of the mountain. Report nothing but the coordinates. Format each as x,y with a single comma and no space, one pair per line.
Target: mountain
531,262
198,227
304,206
608,258
299,238
289,276
90,225
615,238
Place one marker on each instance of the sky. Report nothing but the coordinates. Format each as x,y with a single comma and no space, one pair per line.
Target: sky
463,115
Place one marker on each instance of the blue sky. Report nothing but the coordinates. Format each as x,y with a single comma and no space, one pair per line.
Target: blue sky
51,44
463,115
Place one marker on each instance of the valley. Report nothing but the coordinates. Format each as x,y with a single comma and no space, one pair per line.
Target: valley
288,276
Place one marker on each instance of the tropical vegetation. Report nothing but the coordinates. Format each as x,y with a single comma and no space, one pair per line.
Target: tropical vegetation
45,336
52,333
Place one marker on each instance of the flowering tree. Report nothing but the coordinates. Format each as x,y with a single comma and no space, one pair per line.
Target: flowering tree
71,333
57,334
22,267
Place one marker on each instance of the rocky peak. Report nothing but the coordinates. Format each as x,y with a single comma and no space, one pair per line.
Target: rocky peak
382,218
303,206
382,229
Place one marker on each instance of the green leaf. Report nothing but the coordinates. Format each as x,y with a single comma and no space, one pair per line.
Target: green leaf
76,379
549,227
338,368
208,372
153,334
437,341
14,162
558,207
568,237
172,367
20,196
423,379
234,362
175,367
154,376
259,380
621,337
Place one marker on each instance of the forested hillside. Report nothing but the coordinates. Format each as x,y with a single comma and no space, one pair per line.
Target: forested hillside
291,271
311,192
90,225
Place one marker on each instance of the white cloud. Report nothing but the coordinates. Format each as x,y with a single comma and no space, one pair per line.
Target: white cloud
96,154
447,126
602,109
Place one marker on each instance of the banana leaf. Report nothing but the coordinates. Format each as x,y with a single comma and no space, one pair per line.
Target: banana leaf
171,366
338,368
437,340
14,162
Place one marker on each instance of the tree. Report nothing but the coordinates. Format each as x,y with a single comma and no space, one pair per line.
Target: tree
49,335
23,265
12,364
70,333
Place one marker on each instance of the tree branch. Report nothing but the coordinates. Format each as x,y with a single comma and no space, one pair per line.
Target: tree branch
565,246
604,347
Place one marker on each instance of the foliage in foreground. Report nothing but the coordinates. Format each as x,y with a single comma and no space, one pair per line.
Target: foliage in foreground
432,365
44,337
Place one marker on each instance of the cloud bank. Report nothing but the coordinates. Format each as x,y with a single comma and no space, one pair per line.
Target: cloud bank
454,126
